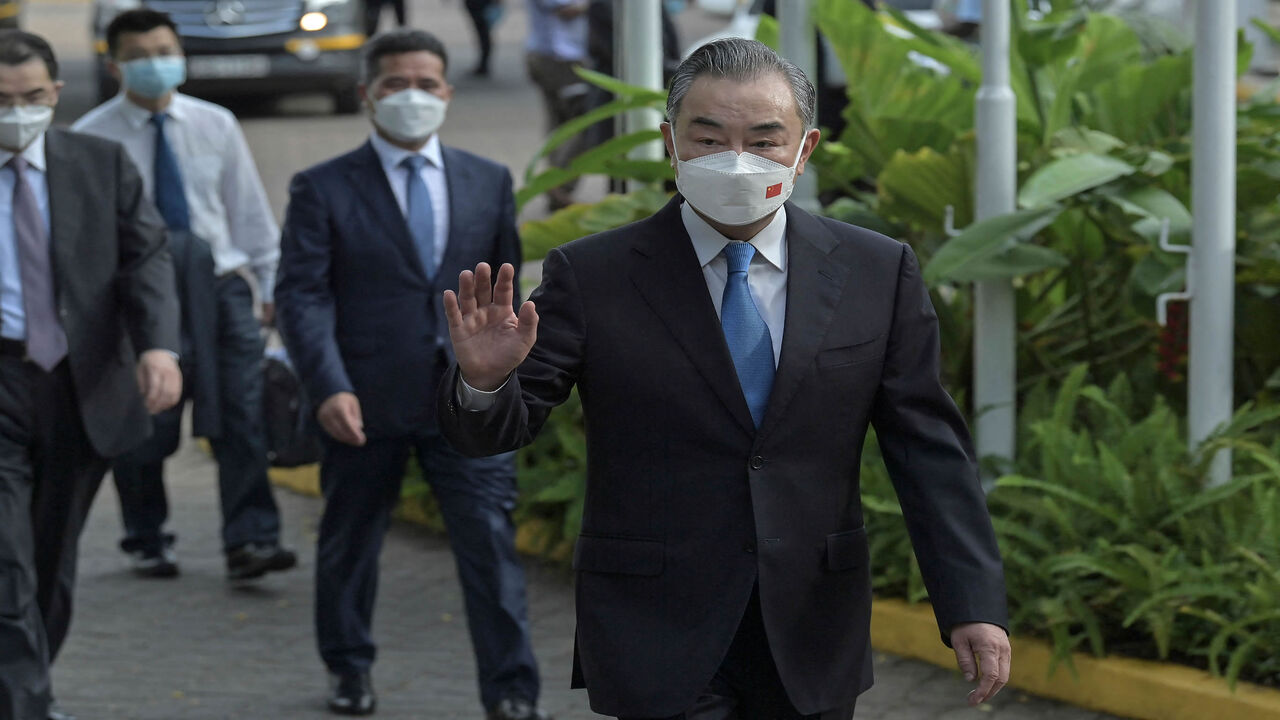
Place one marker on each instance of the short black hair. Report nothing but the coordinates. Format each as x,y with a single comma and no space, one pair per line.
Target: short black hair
141,20
18,47
399,42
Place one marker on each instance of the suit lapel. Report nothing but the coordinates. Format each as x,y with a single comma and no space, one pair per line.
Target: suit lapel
371,183
815,282
459,178
66,199
671,282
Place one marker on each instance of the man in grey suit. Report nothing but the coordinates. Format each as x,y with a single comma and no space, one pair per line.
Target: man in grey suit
730,352
370,240
88,336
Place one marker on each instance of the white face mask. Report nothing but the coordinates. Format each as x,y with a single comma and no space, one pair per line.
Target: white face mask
21,124
733,188
409,115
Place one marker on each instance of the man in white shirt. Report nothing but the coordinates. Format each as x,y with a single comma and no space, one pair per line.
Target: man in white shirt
196,165
556,44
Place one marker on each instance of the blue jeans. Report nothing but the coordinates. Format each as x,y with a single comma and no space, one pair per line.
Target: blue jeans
249,512
476,495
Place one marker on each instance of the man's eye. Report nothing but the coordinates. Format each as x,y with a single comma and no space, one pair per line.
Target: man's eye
707,141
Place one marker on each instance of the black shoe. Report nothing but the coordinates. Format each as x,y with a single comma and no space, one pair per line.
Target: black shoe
251,561
351,694
56,713
162,563
517,709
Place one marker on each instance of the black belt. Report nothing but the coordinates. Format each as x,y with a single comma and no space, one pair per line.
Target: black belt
12,348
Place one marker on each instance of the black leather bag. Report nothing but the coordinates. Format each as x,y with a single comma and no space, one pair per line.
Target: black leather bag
292,436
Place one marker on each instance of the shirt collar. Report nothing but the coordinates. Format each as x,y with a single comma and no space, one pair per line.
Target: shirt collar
34,154
708,242
391,156
138,116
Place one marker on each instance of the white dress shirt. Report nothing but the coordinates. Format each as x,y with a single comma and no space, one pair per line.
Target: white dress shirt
766,277
13,316
228,205
432,174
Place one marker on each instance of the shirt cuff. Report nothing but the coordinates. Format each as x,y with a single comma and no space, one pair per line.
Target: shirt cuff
473,400
176,357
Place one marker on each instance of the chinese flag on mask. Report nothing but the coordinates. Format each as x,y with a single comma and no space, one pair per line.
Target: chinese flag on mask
773,191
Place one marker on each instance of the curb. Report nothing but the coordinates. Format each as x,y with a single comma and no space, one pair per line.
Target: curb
1141,689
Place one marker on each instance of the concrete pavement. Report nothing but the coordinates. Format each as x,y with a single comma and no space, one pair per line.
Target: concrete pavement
195,649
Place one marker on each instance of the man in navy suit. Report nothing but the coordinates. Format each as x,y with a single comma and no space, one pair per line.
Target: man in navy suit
370,241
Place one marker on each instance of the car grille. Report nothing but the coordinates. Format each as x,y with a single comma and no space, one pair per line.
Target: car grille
231,18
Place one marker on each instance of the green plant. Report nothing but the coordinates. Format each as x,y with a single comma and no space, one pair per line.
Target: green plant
1112,543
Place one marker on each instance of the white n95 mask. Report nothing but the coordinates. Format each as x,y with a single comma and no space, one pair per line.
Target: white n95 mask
735,188
409,115
22,124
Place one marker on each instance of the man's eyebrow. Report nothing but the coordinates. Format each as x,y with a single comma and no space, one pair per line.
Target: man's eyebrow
766,127
700,120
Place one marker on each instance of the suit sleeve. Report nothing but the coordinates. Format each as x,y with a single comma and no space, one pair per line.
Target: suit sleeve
303,294
144,275
930,458
542,381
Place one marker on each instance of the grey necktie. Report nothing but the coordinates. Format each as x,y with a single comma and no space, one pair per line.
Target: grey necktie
46,341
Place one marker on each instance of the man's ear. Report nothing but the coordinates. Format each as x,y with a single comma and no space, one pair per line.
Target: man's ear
668,139
811,140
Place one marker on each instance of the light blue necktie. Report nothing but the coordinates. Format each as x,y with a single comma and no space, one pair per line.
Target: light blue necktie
422,218
748,337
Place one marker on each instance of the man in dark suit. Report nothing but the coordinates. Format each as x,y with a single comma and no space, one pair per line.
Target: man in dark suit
88,318
370,240
730,352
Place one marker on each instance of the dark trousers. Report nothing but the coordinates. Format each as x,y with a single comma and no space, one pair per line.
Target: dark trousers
476,495
564,96
373,11
478,10
249,512
49,474
747,686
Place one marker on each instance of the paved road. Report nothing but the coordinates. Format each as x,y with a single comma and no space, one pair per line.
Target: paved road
196,649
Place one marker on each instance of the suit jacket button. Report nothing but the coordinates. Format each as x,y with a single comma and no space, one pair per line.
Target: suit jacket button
750,549
757,462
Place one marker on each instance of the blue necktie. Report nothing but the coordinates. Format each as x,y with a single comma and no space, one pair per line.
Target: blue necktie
748,337
171,198
422,219
46,339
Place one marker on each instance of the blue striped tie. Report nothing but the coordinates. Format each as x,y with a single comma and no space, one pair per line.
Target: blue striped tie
745,331
421,216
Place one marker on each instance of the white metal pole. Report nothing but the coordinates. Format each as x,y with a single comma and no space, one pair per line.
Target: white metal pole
797,40
1213,234
641,55
994,307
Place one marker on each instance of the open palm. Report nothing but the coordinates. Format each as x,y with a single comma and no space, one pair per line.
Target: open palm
489,339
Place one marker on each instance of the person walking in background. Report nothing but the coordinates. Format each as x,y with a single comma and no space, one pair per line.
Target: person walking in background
731,352
373,14
484,16
556,44
370,240
196,165
88,337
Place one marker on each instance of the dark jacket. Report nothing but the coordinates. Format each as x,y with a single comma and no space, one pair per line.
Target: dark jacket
688,505
115,282
194,267
354,306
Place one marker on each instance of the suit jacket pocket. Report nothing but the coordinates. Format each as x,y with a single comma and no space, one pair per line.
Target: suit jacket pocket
619,555
872,349
848,550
